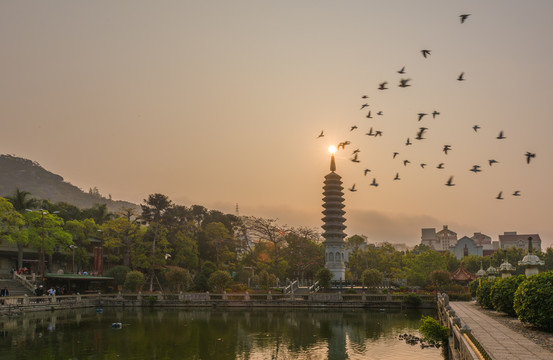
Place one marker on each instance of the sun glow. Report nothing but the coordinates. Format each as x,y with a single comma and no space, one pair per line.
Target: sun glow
332,149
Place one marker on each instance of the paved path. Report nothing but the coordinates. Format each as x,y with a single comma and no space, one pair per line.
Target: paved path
499,341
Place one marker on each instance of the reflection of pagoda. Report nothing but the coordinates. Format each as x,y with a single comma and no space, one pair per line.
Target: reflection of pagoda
334,223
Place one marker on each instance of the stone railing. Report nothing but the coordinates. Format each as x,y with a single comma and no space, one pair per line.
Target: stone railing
461,342
23,281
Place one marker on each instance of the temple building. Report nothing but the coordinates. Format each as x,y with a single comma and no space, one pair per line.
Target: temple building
334,223
463,276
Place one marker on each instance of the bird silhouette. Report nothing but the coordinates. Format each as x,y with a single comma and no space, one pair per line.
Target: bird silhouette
475,128
405,162
402,71
408,142
440,166
380,113
501,136
464,17
377,133
395,154
425,53
420,133
450,181
364,97
352,189
321,134
475,169
382,86
397,177
367,171
421,115
342,145
529,156
353,128
364,106
492,161
447,148
369,115
403,83
356,151
434,113
370,133
461,77
423,165
355,159
516,193
499,197
374,183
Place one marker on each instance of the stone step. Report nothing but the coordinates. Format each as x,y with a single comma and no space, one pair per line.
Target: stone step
14,287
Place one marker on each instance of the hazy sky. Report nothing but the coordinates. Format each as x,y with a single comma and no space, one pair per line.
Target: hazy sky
220,102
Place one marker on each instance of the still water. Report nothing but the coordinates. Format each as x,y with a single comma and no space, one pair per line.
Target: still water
213,334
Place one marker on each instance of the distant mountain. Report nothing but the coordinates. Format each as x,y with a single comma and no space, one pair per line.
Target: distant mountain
27,175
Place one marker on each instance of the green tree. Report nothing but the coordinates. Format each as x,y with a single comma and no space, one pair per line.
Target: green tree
185,251
12,228
119,235
418,268
178,278
439,279
303,254
21,201
372,278
118,273
266,280
219,280
218,237
324,277
82,231
134,281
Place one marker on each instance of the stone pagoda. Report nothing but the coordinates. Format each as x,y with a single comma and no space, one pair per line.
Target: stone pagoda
334,223
506,269
531,261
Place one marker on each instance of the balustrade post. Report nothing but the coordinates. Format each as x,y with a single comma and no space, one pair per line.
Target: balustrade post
26,300
247,296
363,297
207,296
79,297
139,296
225,297
269,295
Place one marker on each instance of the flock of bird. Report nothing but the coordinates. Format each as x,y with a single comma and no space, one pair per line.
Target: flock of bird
420,134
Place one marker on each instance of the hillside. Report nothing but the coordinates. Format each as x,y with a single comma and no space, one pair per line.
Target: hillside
27,175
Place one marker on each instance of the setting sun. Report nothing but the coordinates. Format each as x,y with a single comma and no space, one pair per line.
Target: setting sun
332,149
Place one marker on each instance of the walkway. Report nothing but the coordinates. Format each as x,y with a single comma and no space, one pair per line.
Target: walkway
499,341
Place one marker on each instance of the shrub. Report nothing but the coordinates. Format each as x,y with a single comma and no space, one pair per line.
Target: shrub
473,286
459,297
372,277
324,276
350,291
134,281
267,280
432,330
483,293
178,278
503,293
533,301
219,280
118,273
412,300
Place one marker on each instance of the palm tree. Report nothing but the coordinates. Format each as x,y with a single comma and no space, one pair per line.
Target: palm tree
20,202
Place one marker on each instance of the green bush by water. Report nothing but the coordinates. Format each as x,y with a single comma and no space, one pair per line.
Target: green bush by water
533,301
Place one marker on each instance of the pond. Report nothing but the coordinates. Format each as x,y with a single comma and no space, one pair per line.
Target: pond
213,334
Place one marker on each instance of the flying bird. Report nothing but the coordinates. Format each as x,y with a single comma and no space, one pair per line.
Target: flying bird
434,113
395,154
529,156
475,128
499,197
374,183
408,142
352,189
492,161
420,133
450,181
425,53
397,177
369,115
370,133
516,193
380,113
377,133
355,159
446,148
421,115
423,165
382,86
475,169
461,77
353,128
342,145
321,134
402,71
356,151
500,136
364,106
464,17
440,166
405,162
403,83
364,97
366,171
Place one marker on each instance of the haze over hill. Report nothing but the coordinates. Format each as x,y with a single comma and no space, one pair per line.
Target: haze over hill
28,175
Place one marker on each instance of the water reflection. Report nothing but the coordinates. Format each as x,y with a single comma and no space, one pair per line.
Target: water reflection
212,334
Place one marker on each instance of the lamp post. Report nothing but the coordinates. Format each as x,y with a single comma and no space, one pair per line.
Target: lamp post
73,247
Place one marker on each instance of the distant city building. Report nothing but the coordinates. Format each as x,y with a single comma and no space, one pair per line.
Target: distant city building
466,246
488,246
512,239
439,241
